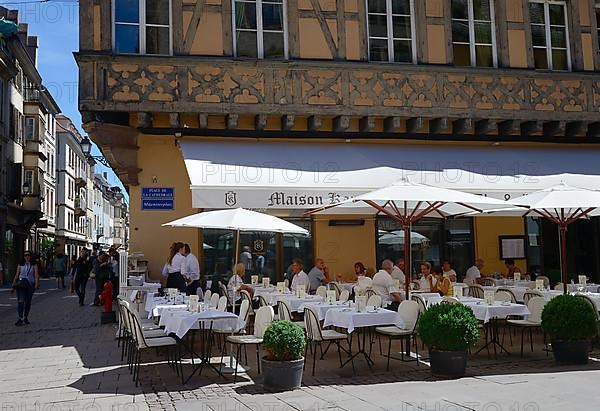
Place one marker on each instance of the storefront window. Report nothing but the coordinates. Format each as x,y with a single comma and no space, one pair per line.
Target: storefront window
432,240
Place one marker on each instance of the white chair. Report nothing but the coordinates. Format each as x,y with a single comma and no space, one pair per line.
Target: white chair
421,301
322,292
529,294
449,300
535,306
336,288
214,301
262,320
207,296
344,295
285,313
559,287
316,335
365,282
502,296
222,304
409,312
488,282
513,297
546,280
286,283
374,300
476,291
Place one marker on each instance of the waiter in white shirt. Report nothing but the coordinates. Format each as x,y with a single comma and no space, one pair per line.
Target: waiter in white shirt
172,269
398,271
474,273
300,277
190,271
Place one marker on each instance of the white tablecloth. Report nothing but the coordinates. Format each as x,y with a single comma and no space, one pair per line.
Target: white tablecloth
350,319
264,292
181,321
485,313
293,301
323,307
155,305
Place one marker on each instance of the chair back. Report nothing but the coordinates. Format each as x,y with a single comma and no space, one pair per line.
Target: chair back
207,296
336,288
419,300
262,302
415,285
489,282
409,312
286,283
369,293
263,318
449,300
590,302
374,300
513,297
214,301
322,292
222,289
364,282
123,320
283,309
136,330
469,281
344,295
536,306
546,280
222,304
529,294
502,296
245,296
559,287
476,291
244,310
313,326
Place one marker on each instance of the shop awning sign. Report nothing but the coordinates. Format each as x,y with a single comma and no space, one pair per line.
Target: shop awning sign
158,198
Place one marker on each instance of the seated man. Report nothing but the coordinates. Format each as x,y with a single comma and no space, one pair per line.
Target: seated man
382,280
398,271
473,274
317,275
511,268
299,276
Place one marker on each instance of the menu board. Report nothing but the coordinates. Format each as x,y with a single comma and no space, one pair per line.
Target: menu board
512,247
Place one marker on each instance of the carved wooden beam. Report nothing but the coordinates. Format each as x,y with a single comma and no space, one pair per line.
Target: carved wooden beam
231,121
507,127
287,121
174,120
594,129
341,123
531,127
554,128
203,120
414,125
391,124
314,123
462,125
437,125
87,116
486,126
575,128
367,124
144,119
260,121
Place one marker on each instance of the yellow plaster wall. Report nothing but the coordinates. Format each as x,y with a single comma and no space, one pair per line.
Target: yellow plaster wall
206,42
342,246
159,157
487,230
312,40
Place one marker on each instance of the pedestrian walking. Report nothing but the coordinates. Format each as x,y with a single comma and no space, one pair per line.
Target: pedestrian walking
25,283
102,270
83,266
61,263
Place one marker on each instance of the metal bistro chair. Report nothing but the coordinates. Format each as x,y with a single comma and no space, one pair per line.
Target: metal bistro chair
336,288
207,296
322,292
374,300
488,282
344,295
214,301
222,305
545,278
535,306
476,291
513,297
415,285
529,294
285,313
409,312
317,335
450,300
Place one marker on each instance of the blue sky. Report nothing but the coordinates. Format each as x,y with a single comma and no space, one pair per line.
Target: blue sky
56,24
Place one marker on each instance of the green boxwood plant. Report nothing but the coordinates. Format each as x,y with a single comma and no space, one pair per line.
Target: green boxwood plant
567,317
284,341
448,327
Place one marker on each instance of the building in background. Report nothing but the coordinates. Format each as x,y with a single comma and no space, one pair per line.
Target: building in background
110,214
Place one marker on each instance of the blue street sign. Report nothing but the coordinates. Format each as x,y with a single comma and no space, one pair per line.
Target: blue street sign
158,198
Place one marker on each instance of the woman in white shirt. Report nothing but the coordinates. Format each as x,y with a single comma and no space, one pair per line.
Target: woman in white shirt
426,280
173,267
235,284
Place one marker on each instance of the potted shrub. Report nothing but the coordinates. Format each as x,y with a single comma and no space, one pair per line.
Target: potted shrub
283,363
569,322
448,330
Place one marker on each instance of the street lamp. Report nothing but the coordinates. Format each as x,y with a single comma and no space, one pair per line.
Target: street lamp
26,188
86,147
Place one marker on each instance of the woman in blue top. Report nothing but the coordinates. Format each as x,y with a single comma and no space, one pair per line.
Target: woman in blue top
25,283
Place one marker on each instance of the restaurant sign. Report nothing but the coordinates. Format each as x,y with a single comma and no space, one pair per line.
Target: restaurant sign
158,198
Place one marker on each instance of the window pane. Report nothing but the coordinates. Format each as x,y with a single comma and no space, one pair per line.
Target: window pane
157,12
484,56
481,10
378,50
127,11
559,37
273,17
402,27
402,51
483,33
245,15
377,6
540,58
246,44
460,9
157,40
127,39
273,45
377,25
557,16
460,31
559,60
538,34
536,13
462,55
401,7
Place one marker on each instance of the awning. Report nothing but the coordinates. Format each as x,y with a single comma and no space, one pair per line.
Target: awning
289,175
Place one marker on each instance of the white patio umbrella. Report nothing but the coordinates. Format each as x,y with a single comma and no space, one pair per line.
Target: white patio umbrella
407,202
397,237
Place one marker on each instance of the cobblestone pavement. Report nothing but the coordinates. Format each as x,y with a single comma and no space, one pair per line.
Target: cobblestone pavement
66,360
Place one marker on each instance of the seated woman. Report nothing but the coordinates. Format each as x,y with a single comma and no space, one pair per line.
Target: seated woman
236,284
442,284
359,269
425,278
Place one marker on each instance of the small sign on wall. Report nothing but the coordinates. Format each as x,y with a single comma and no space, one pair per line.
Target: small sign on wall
158,198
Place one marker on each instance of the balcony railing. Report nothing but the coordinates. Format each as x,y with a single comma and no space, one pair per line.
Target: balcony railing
31,94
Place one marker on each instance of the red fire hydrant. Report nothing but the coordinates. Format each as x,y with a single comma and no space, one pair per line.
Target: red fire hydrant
108,315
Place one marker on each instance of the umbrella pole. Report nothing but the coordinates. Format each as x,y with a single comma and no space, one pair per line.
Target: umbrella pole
563,257
407,259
